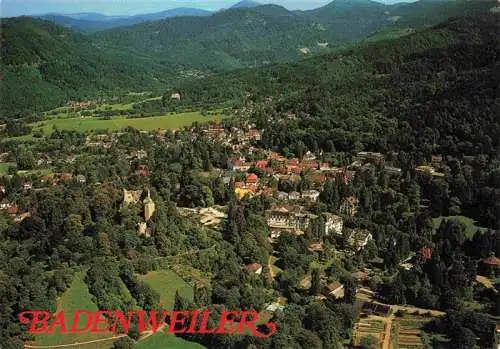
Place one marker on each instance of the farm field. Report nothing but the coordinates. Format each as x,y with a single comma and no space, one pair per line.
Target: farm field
76,297
408,332
470,224
166,283
173,121
370,326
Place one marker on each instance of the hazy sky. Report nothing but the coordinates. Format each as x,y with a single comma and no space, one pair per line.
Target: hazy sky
122,7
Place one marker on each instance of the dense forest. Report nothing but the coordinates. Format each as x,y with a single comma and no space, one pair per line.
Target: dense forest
46,65
432,94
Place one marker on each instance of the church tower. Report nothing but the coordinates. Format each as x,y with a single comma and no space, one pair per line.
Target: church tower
149,207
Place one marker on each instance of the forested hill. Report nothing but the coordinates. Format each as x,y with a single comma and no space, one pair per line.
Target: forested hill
367,61
44,65
245,37
438,88
230,39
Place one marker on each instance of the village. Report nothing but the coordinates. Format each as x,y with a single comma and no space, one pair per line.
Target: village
294,184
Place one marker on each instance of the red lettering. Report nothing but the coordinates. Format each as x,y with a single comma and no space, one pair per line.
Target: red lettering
76,321
204,323
152,321
271,329
175,320
124,323
36,321
59,321
194,321
226,323
100,319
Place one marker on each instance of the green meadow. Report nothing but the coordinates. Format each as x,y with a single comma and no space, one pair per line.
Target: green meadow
469,223
173,121
76,297
166,340
166,283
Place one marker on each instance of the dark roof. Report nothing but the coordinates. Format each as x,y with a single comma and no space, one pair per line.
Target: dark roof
376,308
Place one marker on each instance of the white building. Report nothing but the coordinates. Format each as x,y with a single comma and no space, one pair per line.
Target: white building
333,224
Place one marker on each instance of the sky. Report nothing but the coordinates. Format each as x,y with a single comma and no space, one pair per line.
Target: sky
10,8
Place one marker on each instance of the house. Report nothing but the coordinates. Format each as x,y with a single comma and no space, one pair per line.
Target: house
324,166
309,156
28,185
490,266
288,218
396,171
429,170
176,96
357,239
349,206
282,196
436,160
310,195
252,178
318,247
294,195
374,158
142,171
333,224
131,196
309,164
2,189
360,276
253,134
65,177
262,164
12,210
318,178
334,290
275,156
239,165
4,204
255,268
242,192
81,179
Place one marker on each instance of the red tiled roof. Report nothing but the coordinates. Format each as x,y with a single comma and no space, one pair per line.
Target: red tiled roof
252,177
492,260
261,164
12,210
254,267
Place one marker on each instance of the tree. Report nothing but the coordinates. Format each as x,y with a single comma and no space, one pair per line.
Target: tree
369,342
315,281
350,290
124,343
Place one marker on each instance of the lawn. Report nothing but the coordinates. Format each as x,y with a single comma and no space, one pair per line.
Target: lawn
469,223
166,283
166,340
76,297
4,167
174,121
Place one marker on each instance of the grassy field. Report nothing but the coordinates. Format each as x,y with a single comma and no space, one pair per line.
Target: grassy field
470,224
166,341
174,121
4,167
76,297
166,283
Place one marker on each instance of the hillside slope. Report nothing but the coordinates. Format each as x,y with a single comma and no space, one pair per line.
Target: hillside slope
445,78
256,36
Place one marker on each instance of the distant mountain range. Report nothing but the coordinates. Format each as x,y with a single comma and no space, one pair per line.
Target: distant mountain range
93,22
